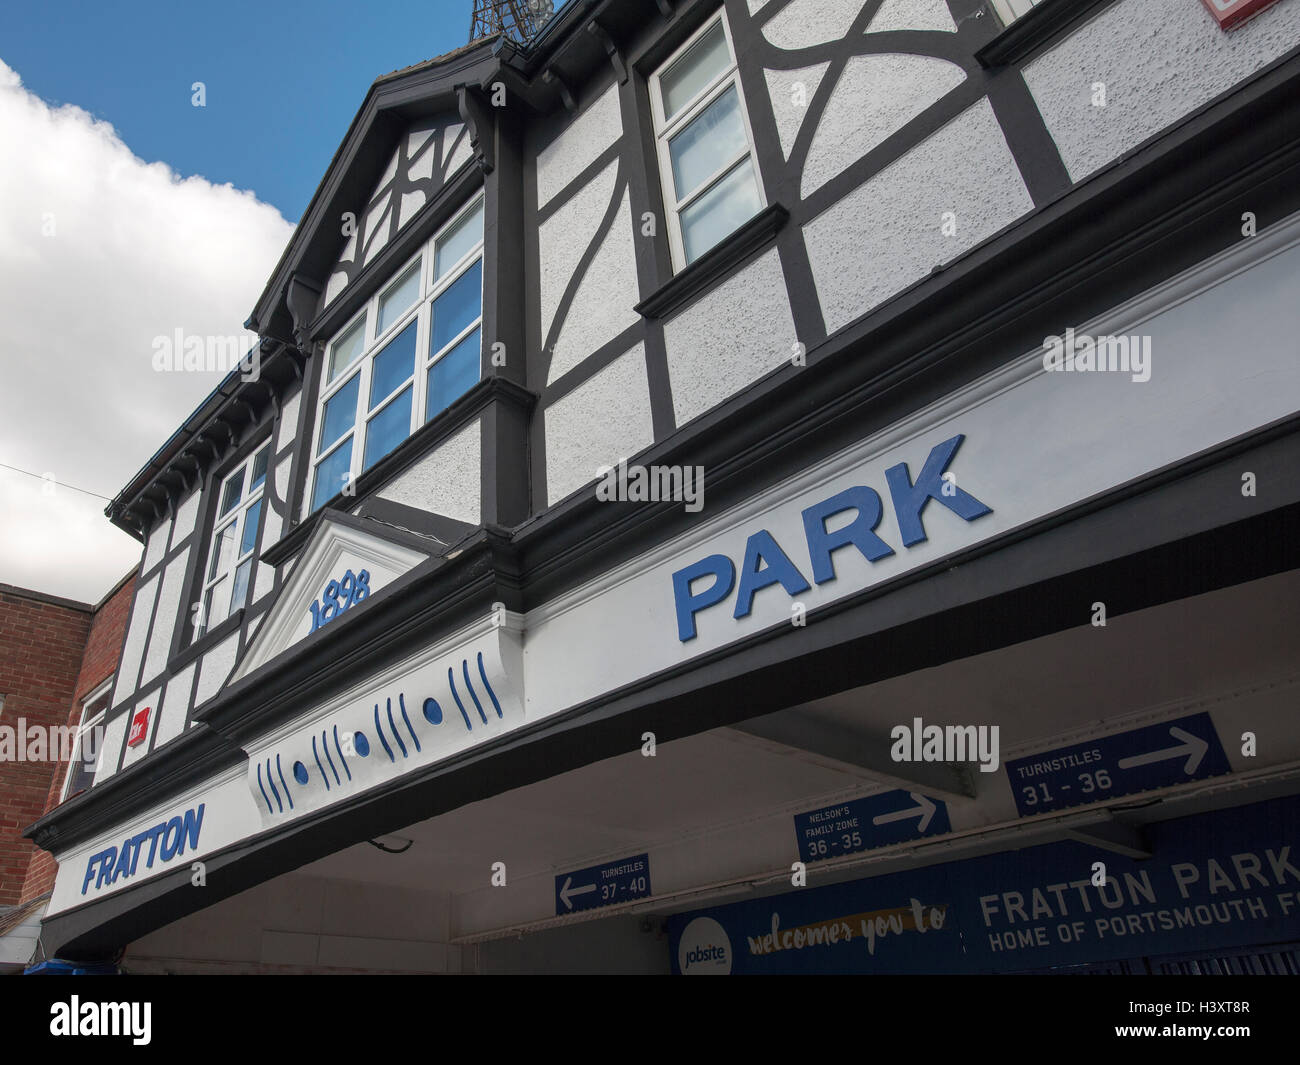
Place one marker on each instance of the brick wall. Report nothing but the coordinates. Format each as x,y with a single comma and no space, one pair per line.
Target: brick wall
99,657
41,643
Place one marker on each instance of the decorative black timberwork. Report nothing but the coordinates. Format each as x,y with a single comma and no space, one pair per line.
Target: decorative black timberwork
611,49
478,120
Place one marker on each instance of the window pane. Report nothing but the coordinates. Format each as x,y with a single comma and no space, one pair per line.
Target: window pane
699,65
223,551
240,592
214,607
453,375
340,413
347,347
396,301
231,494
457,308
729,204
393,365
84,762
252,517
259,469
388,429
713,137
456,243
332,475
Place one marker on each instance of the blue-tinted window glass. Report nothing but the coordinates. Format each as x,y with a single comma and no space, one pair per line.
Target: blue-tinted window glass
457,308
331,476
388,429
251,519
340,413
393,365
453,375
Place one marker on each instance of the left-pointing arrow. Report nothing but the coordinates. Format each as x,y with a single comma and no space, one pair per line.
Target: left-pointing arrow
569,892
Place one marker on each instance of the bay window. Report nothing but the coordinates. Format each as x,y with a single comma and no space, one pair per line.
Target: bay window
406,356
234,541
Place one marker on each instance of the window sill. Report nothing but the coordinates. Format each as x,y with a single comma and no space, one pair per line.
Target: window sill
1040,26
716,263
410,451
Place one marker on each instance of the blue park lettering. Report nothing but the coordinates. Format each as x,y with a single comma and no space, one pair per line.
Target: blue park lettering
766,563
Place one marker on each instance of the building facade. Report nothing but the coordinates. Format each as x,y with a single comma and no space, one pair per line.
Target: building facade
57,660
718,484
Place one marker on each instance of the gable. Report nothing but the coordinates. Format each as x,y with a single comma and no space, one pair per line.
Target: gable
428,153
346,562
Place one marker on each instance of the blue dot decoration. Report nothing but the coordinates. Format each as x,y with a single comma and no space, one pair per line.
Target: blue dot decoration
432,712
300,772
360,744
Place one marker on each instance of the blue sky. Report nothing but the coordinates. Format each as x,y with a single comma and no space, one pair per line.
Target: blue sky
283,77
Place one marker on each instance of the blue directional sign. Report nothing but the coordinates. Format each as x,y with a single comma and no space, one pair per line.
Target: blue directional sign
603,885
1140,760
863,824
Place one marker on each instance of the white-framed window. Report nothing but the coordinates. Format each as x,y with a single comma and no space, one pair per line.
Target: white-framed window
1010,10
230,559
403,359
88,749
710,179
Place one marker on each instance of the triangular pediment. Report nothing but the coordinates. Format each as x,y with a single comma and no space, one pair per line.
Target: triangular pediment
346,561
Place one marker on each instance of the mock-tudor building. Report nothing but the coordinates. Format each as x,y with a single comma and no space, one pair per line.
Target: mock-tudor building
741,485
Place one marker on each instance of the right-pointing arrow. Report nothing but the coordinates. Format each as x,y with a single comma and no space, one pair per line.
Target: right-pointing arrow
1192,746
924,809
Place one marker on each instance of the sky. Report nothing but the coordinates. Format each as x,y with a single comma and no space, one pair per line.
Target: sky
128,212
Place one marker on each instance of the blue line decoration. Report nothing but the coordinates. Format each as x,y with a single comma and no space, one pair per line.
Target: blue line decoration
464,665
270,780
491,694
280,770
265,798
393,725
316,754
401,702
338,748
432,711
325,742
382,738
451,679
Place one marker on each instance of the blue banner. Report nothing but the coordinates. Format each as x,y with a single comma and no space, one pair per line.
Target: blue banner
1226,879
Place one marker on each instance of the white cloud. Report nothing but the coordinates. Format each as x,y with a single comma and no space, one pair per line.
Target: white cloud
102,252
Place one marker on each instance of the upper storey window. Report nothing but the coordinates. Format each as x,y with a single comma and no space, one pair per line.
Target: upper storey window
231,556
1010,10
706,156
411,351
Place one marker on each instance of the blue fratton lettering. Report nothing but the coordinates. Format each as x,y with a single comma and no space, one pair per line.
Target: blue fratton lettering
778,569
688,604
859,532
910,498
193,823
